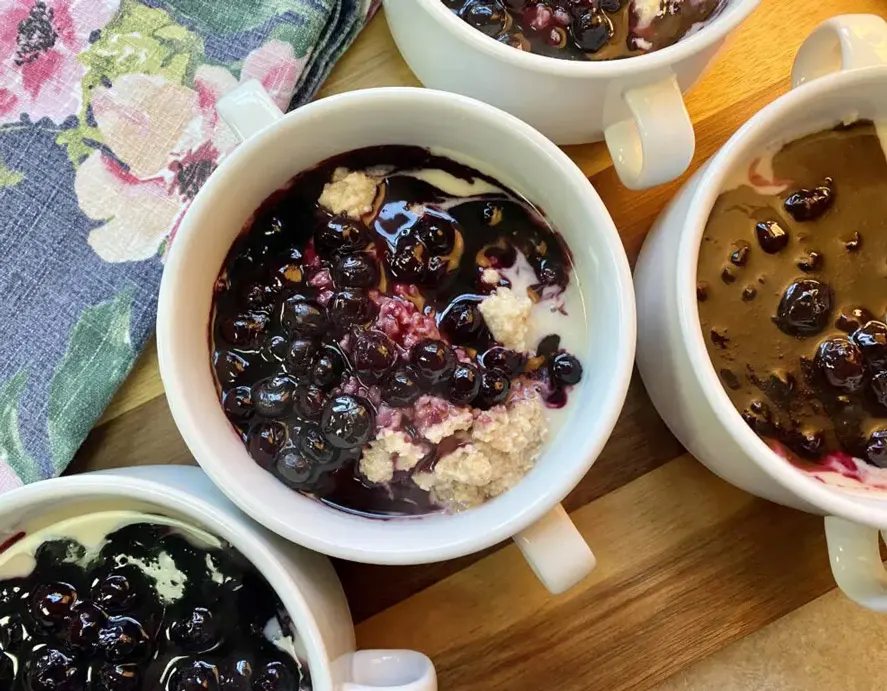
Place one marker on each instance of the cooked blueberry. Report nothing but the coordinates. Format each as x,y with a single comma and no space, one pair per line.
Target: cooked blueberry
309,402
273,397
326,371
275,349
805,308
237,675
487,16
759,418
550,272
374,356
465,384
494,388
256,295
304,317
611,5
265,441
810,262
13,633
230,367
811,204
287,275
52,670
872,341
351,307
123,640
84,626
196,630
268,233
121,590
504,360
275,676
434,362
300,354
356,271
876,448
238,404
462,322
296,469
315,446
566,369
436,233
196,676
591,31
841,364
402,388
409,262
749,293
245,330
53,603
879,387
772,237
117,678
341,236
849,320
807,443
740,254
347,421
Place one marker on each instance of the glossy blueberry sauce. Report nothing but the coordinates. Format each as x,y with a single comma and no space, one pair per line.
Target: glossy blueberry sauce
99,622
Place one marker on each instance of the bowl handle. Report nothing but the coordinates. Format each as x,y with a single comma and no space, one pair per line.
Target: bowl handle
855,555
556,551
846,42
390,670
649,134
248,109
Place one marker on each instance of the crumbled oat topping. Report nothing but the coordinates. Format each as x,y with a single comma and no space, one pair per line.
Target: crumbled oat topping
507,315
501,447
349,193
389,452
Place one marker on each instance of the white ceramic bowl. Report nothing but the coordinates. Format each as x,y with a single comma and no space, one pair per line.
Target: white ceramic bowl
492,141
672,356
305,582
636,104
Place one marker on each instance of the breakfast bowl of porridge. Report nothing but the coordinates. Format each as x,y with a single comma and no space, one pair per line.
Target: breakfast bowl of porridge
577,70
401,342
761,292
149,578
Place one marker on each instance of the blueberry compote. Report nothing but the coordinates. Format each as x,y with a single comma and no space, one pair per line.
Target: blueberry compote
351,306
146,608
792,295
586,29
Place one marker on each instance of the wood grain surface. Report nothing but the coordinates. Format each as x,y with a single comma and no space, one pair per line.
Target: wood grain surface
687,564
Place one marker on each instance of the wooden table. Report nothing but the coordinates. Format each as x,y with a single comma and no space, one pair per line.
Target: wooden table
687,565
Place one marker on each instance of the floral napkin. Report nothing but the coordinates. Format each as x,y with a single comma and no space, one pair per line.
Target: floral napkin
108,129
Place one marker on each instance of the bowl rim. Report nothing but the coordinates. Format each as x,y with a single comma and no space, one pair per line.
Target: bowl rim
731,17
381,548
733,153
239,531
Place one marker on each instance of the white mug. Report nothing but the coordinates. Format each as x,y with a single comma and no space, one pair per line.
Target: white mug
840,72
305,582
277,147
636,104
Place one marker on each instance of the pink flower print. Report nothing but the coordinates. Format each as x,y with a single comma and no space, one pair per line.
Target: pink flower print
166,140
39,43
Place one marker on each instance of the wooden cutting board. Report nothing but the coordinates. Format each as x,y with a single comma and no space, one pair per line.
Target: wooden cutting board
687,564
